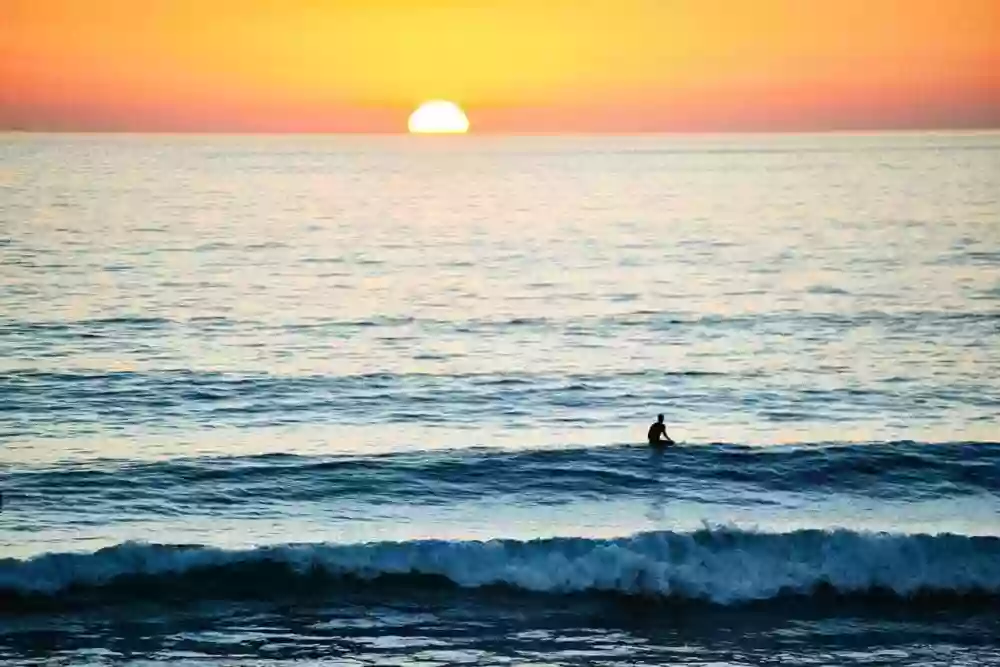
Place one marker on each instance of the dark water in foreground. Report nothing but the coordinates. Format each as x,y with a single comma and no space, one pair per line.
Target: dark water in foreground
269,401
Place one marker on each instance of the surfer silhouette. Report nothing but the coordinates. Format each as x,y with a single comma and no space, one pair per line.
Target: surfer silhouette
656,430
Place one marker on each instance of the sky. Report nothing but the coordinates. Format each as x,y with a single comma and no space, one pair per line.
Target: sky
519,66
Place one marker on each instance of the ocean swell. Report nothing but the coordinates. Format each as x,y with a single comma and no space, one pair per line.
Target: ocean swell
904,470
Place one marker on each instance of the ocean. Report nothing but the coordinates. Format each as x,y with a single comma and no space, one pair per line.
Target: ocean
301,400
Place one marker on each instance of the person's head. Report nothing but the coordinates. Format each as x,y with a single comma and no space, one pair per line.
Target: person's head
659,418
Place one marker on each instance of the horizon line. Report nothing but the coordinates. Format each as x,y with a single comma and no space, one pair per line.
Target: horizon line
985,129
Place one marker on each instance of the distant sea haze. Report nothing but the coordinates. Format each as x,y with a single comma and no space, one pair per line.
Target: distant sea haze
384,400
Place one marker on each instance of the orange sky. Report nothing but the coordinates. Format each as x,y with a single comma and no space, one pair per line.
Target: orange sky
514,65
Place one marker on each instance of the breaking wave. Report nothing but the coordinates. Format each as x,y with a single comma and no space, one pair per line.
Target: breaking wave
722,566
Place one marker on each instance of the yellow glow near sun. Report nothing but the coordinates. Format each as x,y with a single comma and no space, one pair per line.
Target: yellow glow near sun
438,117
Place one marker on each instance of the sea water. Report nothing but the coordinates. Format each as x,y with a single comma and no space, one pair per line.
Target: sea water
383,400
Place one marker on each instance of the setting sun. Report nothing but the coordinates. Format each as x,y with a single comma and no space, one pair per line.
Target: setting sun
438,117
360,66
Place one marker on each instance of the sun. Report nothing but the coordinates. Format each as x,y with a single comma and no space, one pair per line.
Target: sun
438,117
